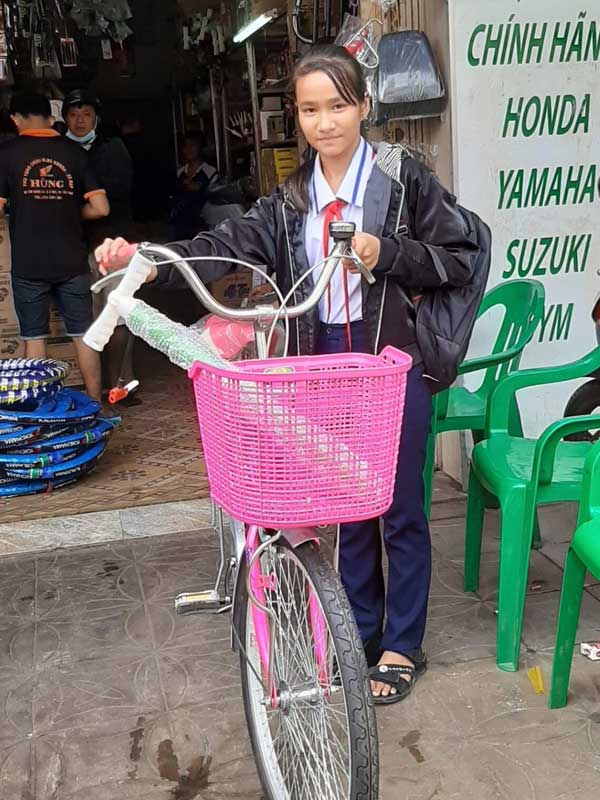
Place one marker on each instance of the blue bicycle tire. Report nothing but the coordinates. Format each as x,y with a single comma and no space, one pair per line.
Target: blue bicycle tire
40,370
22,395
26,379
9,427
71,466
69,406
29,461
70,436
20,488
21,435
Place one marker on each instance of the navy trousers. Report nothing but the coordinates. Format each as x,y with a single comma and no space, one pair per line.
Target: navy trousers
395,622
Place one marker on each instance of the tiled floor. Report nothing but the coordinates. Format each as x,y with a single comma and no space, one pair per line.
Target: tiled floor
106,694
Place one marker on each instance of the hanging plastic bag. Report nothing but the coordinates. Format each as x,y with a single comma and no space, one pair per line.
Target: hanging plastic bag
386,5
359,37
410,83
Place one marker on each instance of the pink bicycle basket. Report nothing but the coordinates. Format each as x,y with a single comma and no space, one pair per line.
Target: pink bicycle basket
304,440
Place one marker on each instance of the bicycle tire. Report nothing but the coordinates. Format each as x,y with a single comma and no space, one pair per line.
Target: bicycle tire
20,434
26,379
68,406
31,460
77,463
33,371
352,679
17,488
69,436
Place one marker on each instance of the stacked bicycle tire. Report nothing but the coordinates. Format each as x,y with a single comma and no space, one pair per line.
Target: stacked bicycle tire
50,435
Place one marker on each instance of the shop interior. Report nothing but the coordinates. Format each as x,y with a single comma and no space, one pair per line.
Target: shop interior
164,70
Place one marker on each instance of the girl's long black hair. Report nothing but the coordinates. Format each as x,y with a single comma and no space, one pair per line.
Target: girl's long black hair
345,73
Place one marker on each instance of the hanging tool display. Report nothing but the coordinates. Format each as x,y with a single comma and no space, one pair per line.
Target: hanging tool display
32,34
39,35
210,26
42,43
4,74
240,125
300,13
104,18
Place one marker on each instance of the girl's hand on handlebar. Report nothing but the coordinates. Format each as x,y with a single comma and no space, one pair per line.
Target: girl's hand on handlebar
108,257
113,254
367,248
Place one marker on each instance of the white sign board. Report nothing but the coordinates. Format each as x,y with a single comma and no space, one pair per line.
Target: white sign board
526,132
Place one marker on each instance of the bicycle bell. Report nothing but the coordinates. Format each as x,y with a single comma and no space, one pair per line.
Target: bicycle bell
342,231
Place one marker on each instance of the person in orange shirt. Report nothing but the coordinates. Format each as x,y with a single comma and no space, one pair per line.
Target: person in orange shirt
48,189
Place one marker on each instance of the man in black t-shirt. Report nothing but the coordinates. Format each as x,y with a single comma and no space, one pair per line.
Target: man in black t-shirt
51,189
112,166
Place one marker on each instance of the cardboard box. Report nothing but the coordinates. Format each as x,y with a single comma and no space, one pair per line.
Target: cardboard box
11,344
272,126
4,248
277,164
65,351
232,290
271,103
8,316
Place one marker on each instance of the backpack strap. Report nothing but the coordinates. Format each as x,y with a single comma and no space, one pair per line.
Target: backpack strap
389,158
437,263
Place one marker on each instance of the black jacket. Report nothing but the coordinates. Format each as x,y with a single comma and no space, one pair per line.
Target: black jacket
113,168
413,216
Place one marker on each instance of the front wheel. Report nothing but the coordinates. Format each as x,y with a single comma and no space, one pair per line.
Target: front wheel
321,738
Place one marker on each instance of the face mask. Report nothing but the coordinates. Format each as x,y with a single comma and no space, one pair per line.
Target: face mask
83,140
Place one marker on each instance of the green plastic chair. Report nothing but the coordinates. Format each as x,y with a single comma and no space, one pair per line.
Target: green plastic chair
521,474
583,555
458,408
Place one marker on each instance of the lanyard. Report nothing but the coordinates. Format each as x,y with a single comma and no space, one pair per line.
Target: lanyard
357,182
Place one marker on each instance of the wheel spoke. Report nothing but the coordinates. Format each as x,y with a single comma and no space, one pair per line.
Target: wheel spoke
305,743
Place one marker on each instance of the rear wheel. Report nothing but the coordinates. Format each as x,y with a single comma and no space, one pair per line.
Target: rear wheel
321,740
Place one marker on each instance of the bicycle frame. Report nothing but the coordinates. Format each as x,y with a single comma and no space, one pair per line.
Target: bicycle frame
247,540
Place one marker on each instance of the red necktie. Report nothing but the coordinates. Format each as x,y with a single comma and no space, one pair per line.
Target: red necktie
333,212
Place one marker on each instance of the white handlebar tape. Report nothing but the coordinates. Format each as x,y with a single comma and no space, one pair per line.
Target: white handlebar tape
119,304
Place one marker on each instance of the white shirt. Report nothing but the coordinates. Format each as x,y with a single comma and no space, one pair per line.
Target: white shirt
352,191
209,171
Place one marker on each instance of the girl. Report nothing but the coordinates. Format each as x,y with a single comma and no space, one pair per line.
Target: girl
288,231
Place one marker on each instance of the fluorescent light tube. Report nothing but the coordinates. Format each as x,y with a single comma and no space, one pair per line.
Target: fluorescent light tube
255,25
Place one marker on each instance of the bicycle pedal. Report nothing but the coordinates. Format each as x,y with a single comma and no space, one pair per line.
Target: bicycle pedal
197,602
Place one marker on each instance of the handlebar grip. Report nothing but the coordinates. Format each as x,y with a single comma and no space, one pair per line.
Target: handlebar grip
124,254
137,272
135,276
98,335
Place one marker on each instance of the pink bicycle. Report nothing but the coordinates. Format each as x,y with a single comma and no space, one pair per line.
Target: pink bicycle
291,444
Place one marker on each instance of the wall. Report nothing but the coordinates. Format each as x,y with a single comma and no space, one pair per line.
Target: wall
434,135
527,138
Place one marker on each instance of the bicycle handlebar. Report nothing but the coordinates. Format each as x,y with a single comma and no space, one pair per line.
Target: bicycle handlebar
341,232
121,299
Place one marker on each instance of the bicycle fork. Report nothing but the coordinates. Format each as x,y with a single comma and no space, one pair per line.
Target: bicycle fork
264,622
